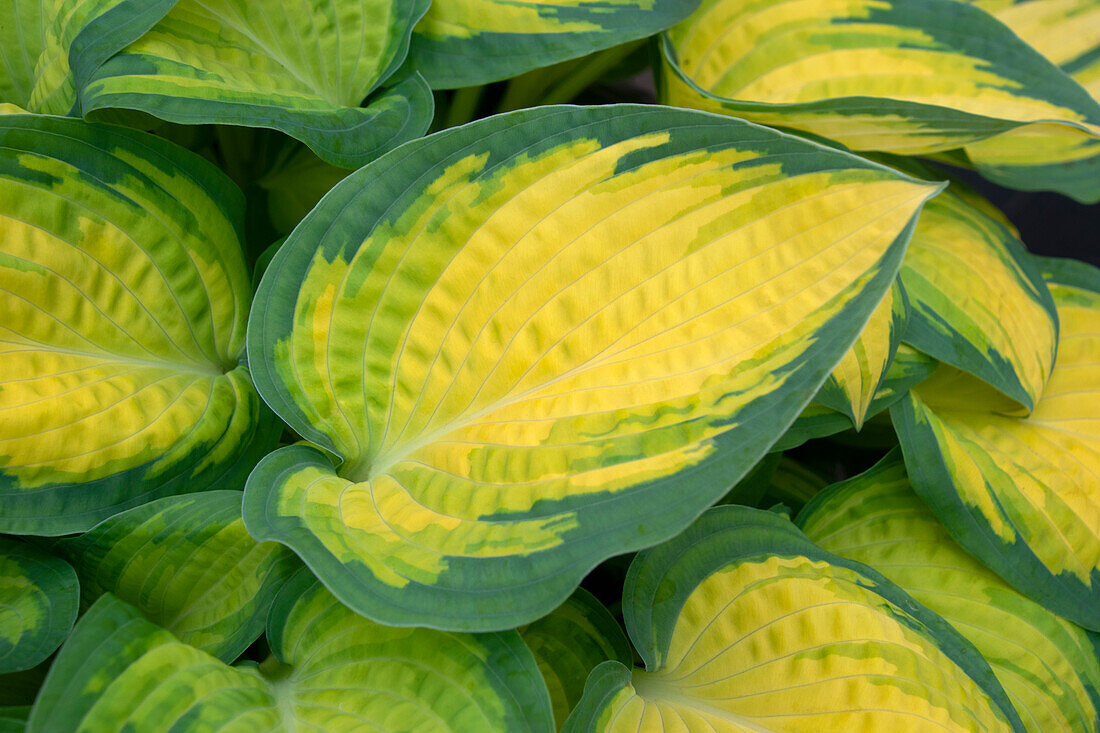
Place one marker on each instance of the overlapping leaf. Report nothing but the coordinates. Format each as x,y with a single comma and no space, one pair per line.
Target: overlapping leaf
38,604
550,337
187,563
570,642
301,68
332,670
745,625
977,300
125,298
908,76
854,383
1067,32
50,48
461,43
1021,492
1047,665
908,368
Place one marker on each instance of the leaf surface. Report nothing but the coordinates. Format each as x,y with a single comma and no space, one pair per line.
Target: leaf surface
1020,492
38,603
125,298
1047,665
462,43
332,671
301,68
187,563
519,335
746,626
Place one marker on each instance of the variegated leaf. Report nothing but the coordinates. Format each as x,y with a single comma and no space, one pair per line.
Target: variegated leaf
976,299
1067,32
908,76
1021,492
125,297
908,368
746,626
462,43
1047,665
301,68
331,670
38,604
854,383
187,563
570,642
550,337
50,48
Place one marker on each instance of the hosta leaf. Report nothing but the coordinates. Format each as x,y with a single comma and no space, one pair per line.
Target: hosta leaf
333,671
909,76
977,301
187,563
14,719
50,48
550,337
125,297
853,385
1067,32
907,368
745,625
1021,492
301,68
1047,665
461,43
38,604
570,642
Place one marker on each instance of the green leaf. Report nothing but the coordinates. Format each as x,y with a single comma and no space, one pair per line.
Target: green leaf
745,625
1047,665
125,298
1018,491
977,301
906,77
462,43
549,337
187,563
13,719
301,68
332,671
38,603
570,642
51,48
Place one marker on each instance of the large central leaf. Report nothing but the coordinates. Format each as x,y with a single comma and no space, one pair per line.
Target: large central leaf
550,337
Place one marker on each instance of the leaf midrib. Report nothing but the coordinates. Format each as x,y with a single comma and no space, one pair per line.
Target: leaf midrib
205,369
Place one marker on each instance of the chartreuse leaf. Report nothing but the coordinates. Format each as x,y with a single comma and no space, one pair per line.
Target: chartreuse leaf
570,642
906,77
38,603
50,48
852,386
550,337
1019,492
1047,665
745,625
187,563
461,43
977,301
301,68
907,368
332,670
125,296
